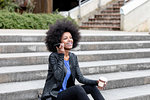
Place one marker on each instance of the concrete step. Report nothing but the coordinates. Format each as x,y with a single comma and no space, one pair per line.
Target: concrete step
124,79
94,36
110,11
29,90
108,37
22,31
112,54
21,90
128,93
101,23
107,15
22,47
116,7
102,27
19,32
34,36
83,46
18,59
36,72
23,73
21,38
18,35
105,19
112,36
116,4
110,66
111,33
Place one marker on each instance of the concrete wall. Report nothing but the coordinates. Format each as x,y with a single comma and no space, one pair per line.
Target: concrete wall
137,19
85,8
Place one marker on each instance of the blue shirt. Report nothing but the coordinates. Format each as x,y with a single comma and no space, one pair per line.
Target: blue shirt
64,84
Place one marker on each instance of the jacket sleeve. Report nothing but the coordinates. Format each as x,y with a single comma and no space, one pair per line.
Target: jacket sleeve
57,66
81,78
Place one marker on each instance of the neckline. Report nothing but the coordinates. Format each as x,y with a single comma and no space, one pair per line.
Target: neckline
66,60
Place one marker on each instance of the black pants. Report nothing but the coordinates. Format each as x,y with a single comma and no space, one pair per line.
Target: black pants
80,93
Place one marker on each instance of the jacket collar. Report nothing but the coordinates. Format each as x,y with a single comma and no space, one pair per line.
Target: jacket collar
70,60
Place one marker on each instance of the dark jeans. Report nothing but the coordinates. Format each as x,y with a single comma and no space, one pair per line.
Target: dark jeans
80,93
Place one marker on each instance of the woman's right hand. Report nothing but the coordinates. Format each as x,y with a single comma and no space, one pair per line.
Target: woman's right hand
61,49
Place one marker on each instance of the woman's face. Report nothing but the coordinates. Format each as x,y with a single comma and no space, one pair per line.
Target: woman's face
67,40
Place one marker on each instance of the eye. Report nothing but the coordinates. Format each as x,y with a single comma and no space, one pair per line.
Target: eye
71,37
65,38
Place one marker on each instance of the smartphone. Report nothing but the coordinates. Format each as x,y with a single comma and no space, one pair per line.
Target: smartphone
57,45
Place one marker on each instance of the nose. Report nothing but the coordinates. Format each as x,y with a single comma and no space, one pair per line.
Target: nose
69,39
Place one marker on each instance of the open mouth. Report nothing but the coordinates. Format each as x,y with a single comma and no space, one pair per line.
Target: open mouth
69,44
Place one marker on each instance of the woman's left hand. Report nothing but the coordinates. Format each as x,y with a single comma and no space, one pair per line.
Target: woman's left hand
101,88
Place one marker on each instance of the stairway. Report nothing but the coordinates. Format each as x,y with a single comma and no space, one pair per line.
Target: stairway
122,57
107,19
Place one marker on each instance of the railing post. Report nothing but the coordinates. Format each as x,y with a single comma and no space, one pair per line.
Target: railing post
79,15
124,2
99,4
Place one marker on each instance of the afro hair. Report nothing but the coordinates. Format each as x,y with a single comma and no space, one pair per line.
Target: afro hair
56,31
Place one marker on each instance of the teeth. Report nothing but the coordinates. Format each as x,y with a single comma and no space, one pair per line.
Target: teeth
69,43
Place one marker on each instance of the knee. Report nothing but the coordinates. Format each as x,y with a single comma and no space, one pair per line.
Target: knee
90,86
79,89
93,86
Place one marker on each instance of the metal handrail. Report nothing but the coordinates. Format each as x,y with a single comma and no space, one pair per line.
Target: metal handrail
79,15
82,2
125,1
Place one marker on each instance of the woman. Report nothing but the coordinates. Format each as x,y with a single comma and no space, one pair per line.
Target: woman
64,68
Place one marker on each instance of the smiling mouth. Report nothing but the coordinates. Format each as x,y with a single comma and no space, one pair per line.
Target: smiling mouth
69,44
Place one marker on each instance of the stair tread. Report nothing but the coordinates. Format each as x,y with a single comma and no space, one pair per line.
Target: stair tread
114,62
101,42
25,32
121,75
114,42
22,43
89,22
115,14
83,32
115,7
21,86
99,26
111,33
76,52
113,11
29,68
107,17
118,76
24,54
127,92
112,51
102,21
38,84
110,12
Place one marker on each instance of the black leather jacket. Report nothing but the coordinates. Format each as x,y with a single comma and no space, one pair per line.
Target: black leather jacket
57,72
